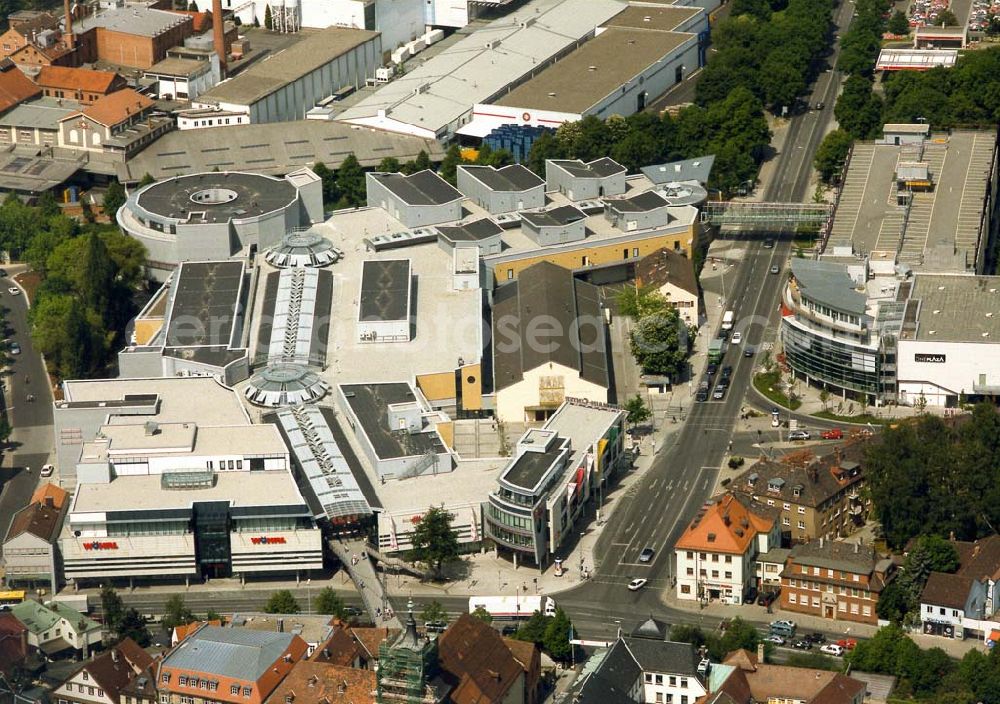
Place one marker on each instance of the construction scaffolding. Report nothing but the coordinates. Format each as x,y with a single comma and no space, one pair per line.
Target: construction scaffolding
406,668
731,212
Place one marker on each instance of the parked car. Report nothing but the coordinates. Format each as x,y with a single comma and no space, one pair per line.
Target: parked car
751,595
354,611
727,371
47,470
637,584
783,627
15,348
767,598
702,396
737,338
832,649
711,369
802,644
768,244
647,554
720,392
799,435
14,290
774,638
847,643
832,434
816,637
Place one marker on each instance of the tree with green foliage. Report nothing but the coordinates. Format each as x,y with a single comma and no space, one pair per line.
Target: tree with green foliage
533,630
637,302
946,18
433,612
659,343
268,20
545,147
351,183
421,163
47,204
331,195
686,633
133,625
450,163
282,602
114,198
176,613
637,411
814,661
112,608
482,614
213,615
389,165
558,633
898,24
192,6
831,155
434,540
146,180
859,110
738,634
5,430
328,602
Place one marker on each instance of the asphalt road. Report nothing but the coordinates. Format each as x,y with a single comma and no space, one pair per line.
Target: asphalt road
32,421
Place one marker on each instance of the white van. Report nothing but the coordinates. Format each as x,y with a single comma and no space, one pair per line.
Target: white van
727,320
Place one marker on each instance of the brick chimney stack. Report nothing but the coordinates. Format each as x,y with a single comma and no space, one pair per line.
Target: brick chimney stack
219,34
69,38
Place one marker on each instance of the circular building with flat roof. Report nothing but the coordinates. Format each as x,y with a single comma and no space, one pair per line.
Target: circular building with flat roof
217,215
306,248
285,384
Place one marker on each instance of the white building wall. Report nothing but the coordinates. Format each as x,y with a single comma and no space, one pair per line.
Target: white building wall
962,365
670,687
400,21
512,400
447,13
685,302
741,570
320,14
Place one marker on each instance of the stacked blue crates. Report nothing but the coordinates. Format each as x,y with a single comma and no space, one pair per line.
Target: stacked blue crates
517,139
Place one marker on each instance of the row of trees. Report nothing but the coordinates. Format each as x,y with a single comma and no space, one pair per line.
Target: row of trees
345,187
89,274
734,129
772,49
738,634
936,478
122,622
929,675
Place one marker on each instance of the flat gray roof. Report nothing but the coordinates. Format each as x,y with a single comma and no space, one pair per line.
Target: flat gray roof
957,308
529,467
554,217
370,403
133,19
274,148
205,303
256,194
696,169
583,78
278,70
666,18
385,290
598,168
42,113
482,65
176,66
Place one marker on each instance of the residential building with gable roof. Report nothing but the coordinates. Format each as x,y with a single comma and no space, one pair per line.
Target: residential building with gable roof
967,603
103,679
671,273
817,497
835,580
15,87
31,546
743,679
84,85
325,683
14,648
717,552
477,664
55,627
232,665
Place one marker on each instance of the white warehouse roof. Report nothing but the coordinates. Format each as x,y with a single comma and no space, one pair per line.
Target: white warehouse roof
480,67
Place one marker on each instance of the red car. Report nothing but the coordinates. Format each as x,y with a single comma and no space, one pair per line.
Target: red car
832,434
847,643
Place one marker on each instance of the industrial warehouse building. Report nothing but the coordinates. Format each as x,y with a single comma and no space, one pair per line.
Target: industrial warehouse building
217,215
287,85
636,56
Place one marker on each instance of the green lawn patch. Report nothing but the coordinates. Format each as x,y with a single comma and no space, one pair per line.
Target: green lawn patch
768,384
